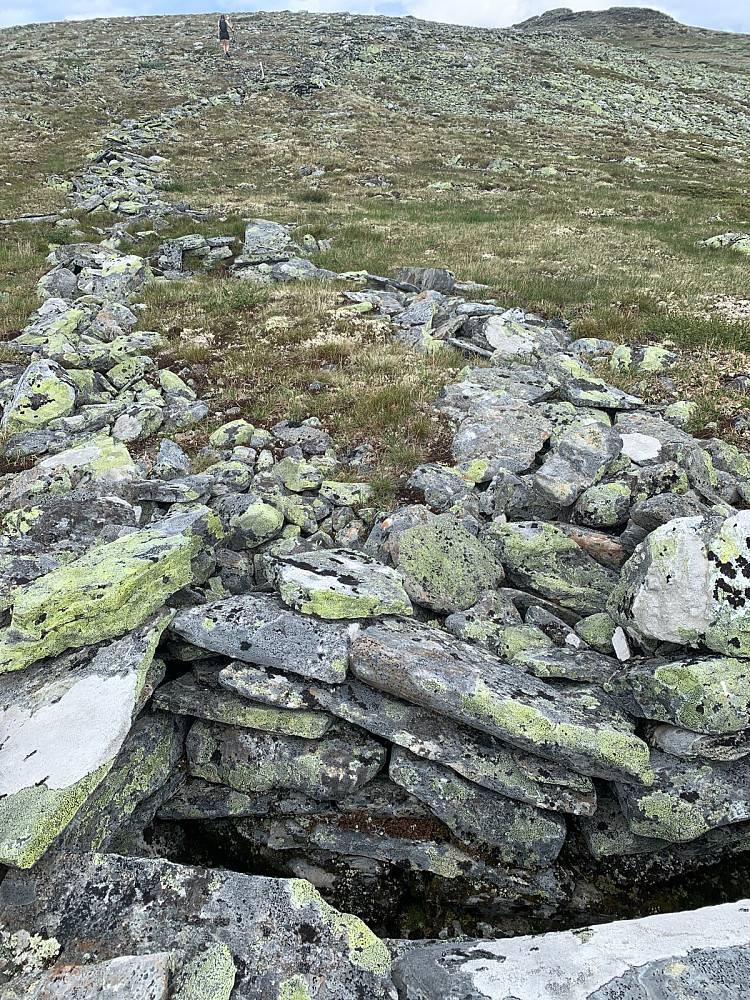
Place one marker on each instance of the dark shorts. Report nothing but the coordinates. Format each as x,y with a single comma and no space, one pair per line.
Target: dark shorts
224,36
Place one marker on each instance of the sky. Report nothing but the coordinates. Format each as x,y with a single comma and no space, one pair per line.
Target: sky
724,15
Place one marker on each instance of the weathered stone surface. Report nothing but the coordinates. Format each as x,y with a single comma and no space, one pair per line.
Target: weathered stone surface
190,696
607,833
43,393
144,977
465,683
258,628
444,567
664,956
687,800
62,725
250,761
687,583
542,558
105,592
579,458
269,939
581,387
339,584
704,694
476,755
508,438
520,834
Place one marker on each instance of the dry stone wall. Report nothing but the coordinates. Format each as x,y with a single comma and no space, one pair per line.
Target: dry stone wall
539,666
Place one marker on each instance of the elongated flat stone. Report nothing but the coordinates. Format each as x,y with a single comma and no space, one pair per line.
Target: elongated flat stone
61,726
250,761
687,799
258,628
104,593
671,956
426,667
337,583
481,758
256,938
520,834
189,696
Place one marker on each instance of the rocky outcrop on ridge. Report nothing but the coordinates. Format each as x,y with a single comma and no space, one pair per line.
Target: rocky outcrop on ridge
538,666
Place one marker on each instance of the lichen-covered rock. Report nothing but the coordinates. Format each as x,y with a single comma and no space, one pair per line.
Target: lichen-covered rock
249,521
597,631
145,977
62,725
606,505
236,432
687,799
687,583
258,938
327,768
298,475
339,584
424,666
579,458
444,567
703,694
508,438
258,628
105,592
193,697
581,387
43,393
542,558
641,360
520,834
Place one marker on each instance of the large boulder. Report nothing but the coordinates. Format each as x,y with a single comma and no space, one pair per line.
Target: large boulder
687,583
256,938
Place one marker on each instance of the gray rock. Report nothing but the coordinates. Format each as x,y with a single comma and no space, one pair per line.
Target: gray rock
542,558
579,458
129,977
65,721
311,439
266,243
438,278
581,387
258,628
442,486
520,834
686,584
465,683
685,800
444,567
249,761
509,440
215,925
664,956
339,584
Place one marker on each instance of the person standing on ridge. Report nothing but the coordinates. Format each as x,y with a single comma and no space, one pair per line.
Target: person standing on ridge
224,29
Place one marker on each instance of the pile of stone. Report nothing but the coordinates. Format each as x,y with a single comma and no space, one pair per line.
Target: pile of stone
540,666
90,376
270,254
120,179
189,255
734,241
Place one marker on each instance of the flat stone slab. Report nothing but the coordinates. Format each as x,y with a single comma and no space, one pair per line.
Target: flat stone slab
61,726
337,583
674,956
258,938
258,628
425,666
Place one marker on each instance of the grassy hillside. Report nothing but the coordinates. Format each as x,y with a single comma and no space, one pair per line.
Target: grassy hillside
570,166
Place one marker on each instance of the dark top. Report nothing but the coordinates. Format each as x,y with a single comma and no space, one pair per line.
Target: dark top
223,29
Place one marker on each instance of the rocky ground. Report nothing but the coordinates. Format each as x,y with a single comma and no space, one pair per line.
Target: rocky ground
243,680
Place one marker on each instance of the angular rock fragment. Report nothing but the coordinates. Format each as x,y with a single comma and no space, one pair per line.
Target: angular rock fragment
465,683
258,628
339,584
61,727
258,938
579,458
327,768
189,696
686,800
509,439
130,977
43,393
105,592
444,567
687,583
581,387
520,834
704,694
542,558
